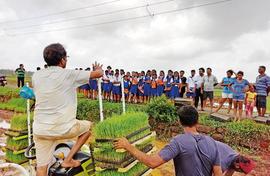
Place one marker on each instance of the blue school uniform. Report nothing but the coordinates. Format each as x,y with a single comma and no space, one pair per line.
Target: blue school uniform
85,87
116,89
154,87
175,89
106,85
134,86
160,86
147,86
126,87
168,86
93,84
140,84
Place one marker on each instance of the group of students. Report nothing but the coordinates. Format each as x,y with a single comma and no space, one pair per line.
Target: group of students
140,87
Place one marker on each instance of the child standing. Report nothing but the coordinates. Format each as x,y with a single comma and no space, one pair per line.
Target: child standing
126,87
106,86
175,86
133,88
147,86
250,101
141,86
168,83
154,86
116,90
160,83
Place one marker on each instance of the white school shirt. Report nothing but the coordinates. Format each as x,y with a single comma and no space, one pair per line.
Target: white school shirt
55,90
117,79
191,82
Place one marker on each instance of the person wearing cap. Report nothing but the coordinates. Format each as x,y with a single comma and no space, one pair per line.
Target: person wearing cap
231,161
193,154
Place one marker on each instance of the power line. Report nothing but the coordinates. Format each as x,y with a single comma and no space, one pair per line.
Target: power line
90,16
124,19
61,12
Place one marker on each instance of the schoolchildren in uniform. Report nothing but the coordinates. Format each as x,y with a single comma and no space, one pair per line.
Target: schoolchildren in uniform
106,85
154,85
93,88
175,91
168,83
111,76
140,86
183,83
147,86
126,87
86,87
116,90
160,83
133,88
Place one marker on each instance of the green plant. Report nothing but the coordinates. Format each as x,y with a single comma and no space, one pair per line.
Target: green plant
89,109
137,170
18,159
16,145
19,122
9,92
162,109
120,126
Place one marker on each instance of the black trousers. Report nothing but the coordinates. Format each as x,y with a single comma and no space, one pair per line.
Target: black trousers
20,81
199,96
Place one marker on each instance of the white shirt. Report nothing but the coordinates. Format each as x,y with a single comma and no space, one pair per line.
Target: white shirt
191,82
56,99
117,79
198,81
209,82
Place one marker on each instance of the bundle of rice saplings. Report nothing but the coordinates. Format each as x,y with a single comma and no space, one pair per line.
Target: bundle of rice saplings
110,162
17,140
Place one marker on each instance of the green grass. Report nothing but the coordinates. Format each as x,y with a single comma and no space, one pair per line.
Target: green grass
12,80
121,126
19,122
15,104
9,92
89,109
137,170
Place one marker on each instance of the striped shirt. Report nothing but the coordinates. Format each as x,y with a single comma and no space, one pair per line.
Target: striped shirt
20,72
262,84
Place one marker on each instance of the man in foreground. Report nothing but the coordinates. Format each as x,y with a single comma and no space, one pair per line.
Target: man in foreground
56,106
232,162
193,154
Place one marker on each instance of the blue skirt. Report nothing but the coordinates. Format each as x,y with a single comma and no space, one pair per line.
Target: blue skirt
93,85
134,89
160,90
154,92
116,90
106,87
85,87
175,92
147,89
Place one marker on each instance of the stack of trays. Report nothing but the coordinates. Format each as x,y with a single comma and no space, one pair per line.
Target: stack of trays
109,161
17,140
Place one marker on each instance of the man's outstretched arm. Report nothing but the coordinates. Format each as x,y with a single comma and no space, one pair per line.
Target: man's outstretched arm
97,71
151,161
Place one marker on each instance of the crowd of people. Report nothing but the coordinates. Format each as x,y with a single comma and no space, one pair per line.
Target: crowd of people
140,87
55,119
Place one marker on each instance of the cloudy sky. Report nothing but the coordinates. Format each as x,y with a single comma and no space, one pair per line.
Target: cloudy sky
231,35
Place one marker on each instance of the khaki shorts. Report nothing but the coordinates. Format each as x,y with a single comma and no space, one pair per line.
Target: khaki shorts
45,145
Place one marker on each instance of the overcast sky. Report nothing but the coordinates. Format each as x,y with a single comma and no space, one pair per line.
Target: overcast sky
232,35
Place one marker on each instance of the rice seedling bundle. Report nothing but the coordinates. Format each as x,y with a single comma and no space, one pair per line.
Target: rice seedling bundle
134,126
17,140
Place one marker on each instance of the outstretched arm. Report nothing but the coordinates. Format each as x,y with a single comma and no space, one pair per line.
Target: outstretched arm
97,71
151,161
